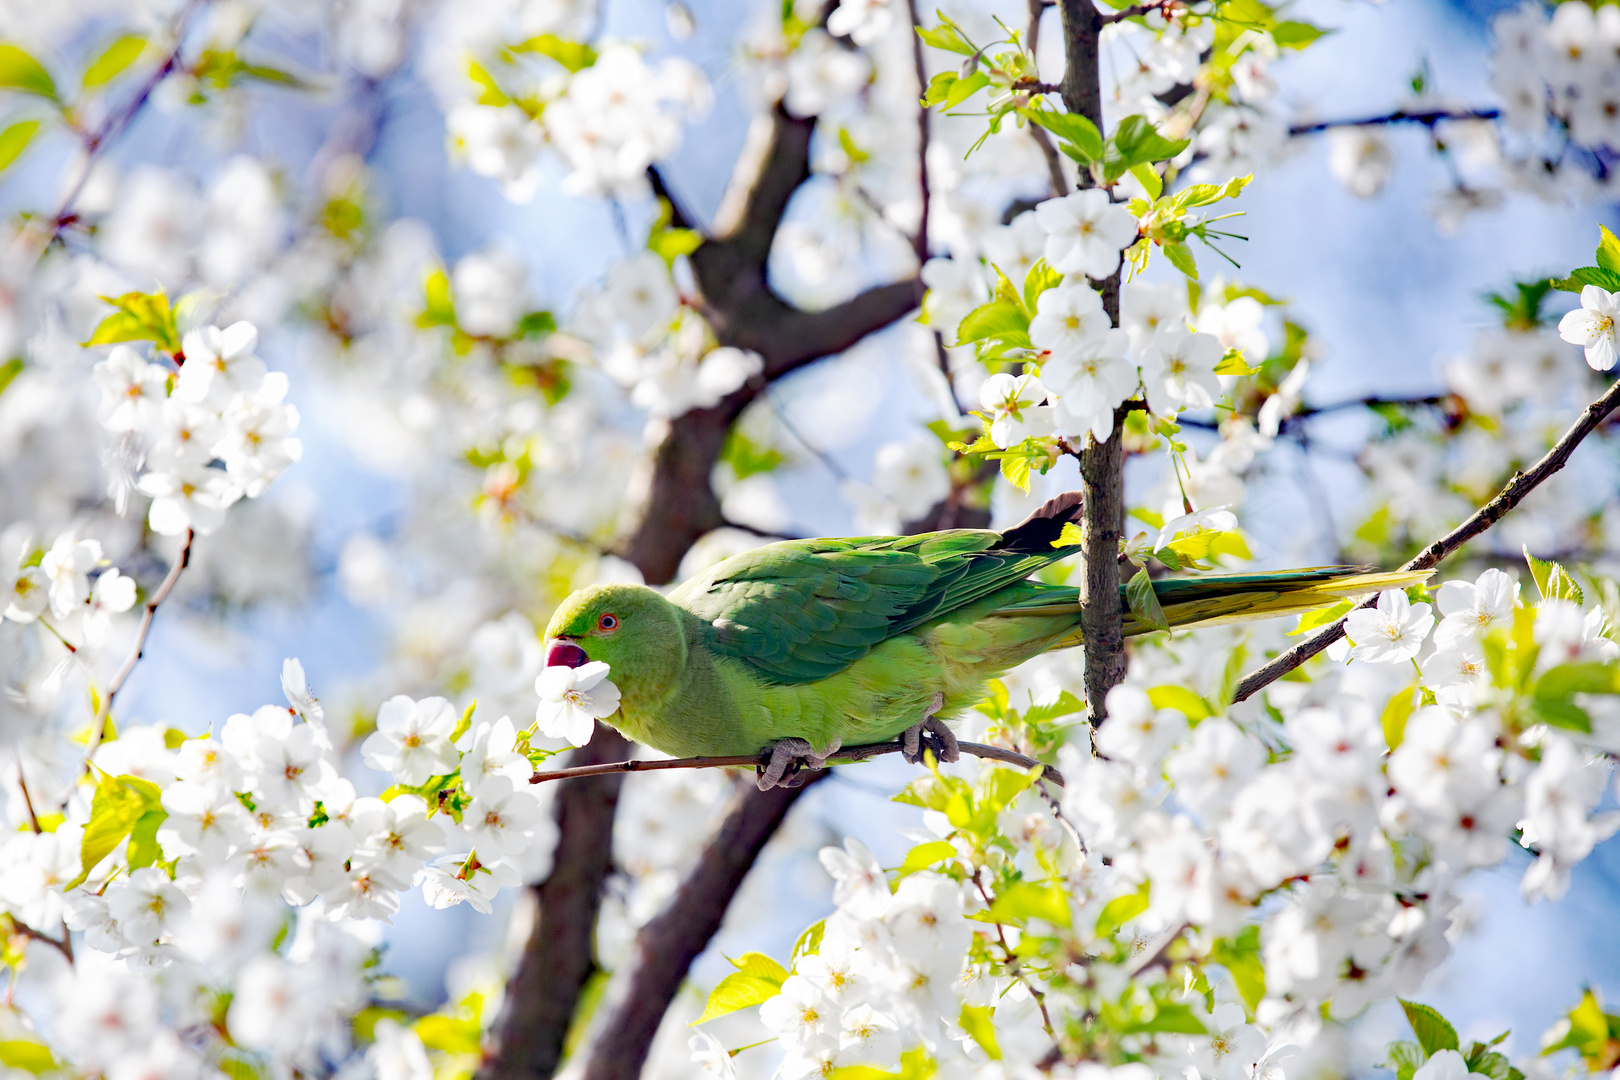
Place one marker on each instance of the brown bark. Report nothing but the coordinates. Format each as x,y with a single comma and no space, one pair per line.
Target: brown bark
1102,465
526,1041
666,947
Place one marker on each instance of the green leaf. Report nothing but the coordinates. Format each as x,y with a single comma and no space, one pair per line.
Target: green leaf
963,89
27,1055
1172,1019
759,966
1296,35
1562,714
939,88
976,1021
997,319
1405,1057
1232,363
1150,179
736,991
1027,900
140,317
573,55
1554,582
1586,1028
1489,1063
1135,141
1121,910
1396,713
15,139
1603,278
1608,250
439,308
1180,698
119,802
448,1033
1071,535
144,849
1240,956
946,36
923,856
1181,257
1559,683
1144,602
1040,278
20,71
809,941
536,324
492,93
1432,1031
118,55
1311,620
1072,128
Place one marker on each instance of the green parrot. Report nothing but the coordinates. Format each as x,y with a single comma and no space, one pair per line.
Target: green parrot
796,648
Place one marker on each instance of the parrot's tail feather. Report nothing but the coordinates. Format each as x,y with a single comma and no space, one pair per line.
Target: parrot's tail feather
1037,533
1230,598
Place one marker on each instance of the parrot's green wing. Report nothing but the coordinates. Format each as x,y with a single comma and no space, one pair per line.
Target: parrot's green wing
802,610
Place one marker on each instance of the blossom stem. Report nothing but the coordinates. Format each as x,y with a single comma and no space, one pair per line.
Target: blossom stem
1009,960
1522,484
99,728
63,945
28,800
846,754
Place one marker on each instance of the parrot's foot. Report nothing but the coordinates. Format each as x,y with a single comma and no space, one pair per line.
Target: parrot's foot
931,734
789,763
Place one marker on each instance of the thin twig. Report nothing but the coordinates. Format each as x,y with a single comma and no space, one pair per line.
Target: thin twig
846,754
1399,116
1510,496
100,726
1009,960
28,801
116,124
63,945
1054,163
919,241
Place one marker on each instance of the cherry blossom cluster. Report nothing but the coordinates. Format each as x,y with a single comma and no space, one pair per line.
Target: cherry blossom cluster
222,406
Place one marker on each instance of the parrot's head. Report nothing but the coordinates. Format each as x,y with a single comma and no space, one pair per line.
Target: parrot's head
631,628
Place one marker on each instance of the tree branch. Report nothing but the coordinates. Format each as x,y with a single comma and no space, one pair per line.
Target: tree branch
527,1040
1510,496
666,947
1399,116
99,728
1054,162
919,241
1102,464
846,754
116,123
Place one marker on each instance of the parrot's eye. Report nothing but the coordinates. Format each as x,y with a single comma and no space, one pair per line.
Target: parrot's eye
607,622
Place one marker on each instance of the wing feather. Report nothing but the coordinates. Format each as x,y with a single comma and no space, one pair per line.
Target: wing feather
802,610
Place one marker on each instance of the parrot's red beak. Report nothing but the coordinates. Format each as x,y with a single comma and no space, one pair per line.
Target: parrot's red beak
564,653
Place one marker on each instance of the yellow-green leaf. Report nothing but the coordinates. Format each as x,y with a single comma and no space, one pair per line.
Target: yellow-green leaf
760,966
923,856
976,1021
447,1033
119,802
27,1055
1310,620
1181,698
20,71
15,139
573,55
117,56
1121,910
1396,713
737,991
140,317
1027,900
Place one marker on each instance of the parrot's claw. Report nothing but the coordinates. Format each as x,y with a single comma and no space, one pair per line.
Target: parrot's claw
789,763
931,734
